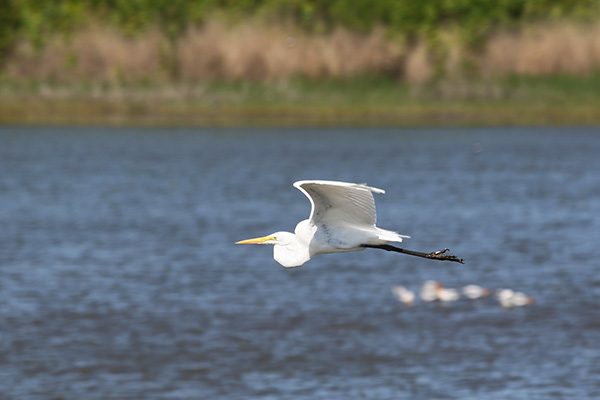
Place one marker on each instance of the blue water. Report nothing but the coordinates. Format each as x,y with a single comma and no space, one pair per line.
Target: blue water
120,279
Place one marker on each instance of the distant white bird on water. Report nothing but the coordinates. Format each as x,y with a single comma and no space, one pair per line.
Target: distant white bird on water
474,292
429,291
508,298
435,291
403,295
342,219
446,295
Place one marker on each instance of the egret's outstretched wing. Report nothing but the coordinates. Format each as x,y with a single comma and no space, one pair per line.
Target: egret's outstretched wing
340,203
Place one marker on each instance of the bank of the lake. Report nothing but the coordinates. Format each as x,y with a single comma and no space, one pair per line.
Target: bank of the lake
363,101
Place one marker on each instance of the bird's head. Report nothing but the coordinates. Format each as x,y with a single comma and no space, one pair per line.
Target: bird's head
287,252
273,238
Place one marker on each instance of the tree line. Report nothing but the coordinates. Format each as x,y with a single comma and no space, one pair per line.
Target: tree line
34,20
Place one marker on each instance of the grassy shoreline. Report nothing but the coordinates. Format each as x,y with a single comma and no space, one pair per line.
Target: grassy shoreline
363,101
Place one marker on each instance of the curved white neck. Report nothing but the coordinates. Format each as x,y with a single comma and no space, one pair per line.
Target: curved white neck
290,252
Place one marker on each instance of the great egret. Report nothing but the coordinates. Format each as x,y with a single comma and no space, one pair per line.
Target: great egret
342,219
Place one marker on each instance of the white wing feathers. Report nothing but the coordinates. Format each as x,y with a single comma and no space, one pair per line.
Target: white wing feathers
344,205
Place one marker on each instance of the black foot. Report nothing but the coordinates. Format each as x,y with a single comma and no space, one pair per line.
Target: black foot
439,255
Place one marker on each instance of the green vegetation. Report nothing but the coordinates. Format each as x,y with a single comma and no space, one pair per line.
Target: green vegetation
35,19
300,61
363,101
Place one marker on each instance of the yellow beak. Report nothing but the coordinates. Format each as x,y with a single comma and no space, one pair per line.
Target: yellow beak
260,240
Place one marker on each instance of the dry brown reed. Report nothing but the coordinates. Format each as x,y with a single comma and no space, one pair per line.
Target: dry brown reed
96,54
255,51
259,52
566,48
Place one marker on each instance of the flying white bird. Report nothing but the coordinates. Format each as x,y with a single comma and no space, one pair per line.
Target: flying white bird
342,219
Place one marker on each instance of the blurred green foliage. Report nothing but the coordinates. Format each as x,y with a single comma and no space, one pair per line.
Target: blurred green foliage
33,20
10,24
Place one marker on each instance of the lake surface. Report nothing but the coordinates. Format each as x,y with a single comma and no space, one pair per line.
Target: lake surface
120,279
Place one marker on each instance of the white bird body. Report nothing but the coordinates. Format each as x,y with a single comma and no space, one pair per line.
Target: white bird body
403,295
474,292
429,291
508,298
435,291
342,219
446,295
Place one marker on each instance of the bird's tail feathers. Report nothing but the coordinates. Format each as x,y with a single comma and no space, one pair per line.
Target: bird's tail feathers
390,236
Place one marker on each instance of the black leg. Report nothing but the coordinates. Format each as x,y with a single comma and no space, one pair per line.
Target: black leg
436,255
